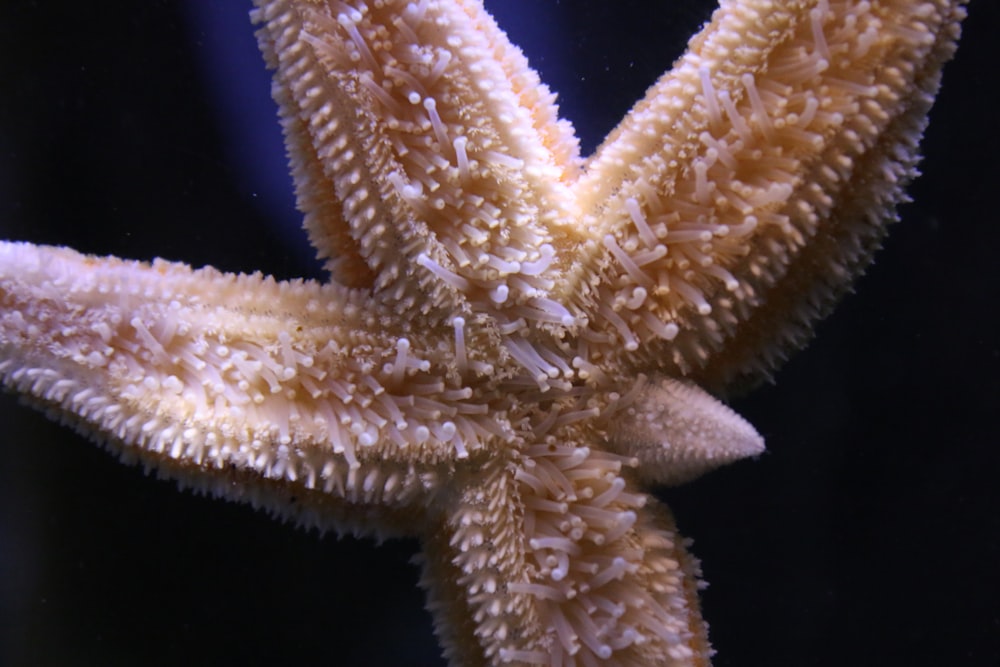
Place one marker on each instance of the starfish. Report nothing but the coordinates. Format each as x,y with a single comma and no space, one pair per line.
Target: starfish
512,341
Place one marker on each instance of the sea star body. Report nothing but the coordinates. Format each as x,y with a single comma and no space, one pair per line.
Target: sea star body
465,398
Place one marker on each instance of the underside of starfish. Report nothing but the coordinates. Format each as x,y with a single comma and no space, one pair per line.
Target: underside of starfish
514,341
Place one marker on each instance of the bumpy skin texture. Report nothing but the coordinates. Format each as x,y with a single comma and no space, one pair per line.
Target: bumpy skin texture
512,339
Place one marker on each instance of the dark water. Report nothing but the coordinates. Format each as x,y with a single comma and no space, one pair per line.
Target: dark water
869,534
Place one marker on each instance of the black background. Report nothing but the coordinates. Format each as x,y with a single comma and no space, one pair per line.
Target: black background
868,534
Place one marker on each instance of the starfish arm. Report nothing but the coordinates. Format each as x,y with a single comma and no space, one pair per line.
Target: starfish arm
736,202
552,557
243,385
677,432
427,156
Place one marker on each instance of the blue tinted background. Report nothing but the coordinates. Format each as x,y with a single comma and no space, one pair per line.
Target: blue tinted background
867,535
